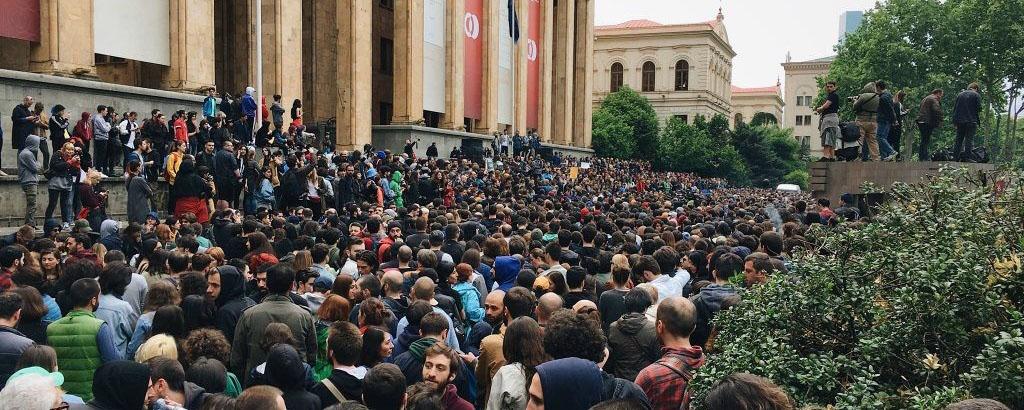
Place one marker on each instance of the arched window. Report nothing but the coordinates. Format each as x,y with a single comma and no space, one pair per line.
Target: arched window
616,77
682,75
647,79
738,119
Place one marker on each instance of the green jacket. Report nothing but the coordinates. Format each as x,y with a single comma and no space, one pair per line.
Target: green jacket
323,367
78,355
866,106
246,352
396,187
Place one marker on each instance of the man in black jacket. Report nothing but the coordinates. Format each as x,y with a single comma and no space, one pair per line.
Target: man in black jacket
226,174
12,342
24,122
226,286
966,117
344,345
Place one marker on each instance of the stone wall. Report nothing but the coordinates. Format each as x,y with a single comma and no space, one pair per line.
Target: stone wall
393,137
12,200
832,179
78,96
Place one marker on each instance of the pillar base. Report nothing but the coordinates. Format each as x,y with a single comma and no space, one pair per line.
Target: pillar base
187,87
59,69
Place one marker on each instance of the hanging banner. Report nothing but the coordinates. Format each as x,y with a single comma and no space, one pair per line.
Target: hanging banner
533,53
474,52
506,71
433,55
137,30
20,19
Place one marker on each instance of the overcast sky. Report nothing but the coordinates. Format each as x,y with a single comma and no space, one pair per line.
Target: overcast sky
760,31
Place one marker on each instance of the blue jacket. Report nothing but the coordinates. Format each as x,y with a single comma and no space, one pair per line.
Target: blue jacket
210,106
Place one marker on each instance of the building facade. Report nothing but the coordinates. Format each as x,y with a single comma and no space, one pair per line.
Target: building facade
748,102
801,91
459,66
849,22
684,70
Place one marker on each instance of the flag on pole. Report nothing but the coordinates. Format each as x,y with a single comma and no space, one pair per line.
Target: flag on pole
513,21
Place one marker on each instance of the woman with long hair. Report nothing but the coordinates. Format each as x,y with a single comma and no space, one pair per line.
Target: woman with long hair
524,351
333,309
42,126
31,323
94,199
303,261
82,133
190,193
161,293
377,347
49,264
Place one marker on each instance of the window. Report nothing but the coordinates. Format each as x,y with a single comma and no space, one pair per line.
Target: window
616,77
738,119
387,55
806,142
647,79
388,4
799,120
102,59
385,113
682,75
799,101
682,117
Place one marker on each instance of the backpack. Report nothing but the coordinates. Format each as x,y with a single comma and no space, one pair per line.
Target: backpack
849,132
471,303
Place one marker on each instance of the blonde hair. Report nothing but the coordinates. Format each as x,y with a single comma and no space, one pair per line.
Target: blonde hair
161,345
620,261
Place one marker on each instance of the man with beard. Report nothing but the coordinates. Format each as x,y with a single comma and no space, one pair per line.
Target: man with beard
226,286
82,341
518,302
440,366
226,174
494,314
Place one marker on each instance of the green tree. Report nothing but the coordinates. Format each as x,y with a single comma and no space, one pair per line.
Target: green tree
625,120
798,177
769,152
687,148
763,118
916,309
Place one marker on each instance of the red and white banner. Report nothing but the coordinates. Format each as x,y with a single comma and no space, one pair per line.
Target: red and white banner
533,55
474,51
19,19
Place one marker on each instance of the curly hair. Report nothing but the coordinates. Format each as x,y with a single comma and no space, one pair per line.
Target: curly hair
209,343
568,334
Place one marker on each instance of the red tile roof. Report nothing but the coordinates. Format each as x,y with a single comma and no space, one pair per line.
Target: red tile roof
643,23
755,90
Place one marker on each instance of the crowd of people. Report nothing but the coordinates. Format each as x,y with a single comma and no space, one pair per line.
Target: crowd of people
380,280
881,120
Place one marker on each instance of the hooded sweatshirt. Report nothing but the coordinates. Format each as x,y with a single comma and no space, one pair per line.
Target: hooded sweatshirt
120,385
707,303
249,103
866,106
633,344
109,236
570,383
506,271
231,301
396,188
28,167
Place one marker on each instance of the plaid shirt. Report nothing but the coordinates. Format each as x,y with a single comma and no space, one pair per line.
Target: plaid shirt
665,381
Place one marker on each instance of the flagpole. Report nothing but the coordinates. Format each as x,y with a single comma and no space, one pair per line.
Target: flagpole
258,120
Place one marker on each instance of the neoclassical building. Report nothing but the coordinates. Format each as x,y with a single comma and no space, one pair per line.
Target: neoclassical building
381,70
801,90
684,70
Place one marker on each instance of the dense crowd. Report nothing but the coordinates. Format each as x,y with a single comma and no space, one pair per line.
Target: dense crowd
308,279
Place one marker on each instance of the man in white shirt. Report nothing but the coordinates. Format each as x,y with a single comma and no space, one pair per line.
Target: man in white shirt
648,269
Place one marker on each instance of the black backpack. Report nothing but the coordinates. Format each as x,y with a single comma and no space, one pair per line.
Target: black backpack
849,132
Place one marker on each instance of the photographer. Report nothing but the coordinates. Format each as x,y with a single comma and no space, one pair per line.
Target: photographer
409,145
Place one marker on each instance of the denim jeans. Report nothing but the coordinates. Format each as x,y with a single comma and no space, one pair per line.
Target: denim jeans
64,197
883,138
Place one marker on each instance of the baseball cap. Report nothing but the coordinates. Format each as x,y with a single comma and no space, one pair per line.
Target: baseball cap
57,377
323,282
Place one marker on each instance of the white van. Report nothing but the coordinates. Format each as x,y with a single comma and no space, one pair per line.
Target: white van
788,188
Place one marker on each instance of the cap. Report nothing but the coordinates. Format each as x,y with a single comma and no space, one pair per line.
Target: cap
153,215
323,282
57,377
83,225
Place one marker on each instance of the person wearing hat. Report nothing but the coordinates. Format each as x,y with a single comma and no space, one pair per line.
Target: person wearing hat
119,385
285,370
32,388
227,288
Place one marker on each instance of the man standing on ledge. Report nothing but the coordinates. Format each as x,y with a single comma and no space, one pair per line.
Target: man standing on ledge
966,117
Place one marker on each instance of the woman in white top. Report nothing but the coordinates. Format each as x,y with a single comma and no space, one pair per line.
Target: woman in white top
523,348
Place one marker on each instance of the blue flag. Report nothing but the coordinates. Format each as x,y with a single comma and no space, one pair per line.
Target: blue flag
513,21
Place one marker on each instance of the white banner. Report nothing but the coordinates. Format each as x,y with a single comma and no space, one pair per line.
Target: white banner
433,55
137,29
505,73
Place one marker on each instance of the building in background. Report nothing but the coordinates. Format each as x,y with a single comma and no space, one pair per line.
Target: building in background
748,102
801,92
849,21
379,71
684,70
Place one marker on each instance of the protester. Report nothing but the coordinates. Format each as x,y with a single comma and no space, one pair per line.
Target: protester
966,119
747,391
929,118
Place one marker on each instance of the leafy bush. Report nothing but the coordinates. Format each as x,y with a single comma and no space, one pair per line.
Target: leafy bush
915,310
625,126
799,177
687,148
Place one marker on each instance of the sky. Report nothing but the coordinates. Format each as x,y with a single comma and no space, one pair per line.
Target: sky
760,31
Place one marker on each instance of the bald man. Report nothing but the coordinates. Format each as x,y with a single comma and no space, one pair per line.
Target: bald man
494,315
423,290
665,380
546,305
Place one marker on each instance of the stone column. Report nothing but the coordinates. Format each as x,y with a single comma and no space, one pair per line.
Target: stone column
192,48
454,93
354,73
65,46
282,49
546,69
562,93
320,55
491,30
408,93
583,73
520,66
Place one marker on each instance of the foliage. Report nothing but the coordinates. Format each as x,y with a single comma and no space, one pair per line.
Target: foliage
688,148
917,309
625,126
921,45
763,119
770,153
798,177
